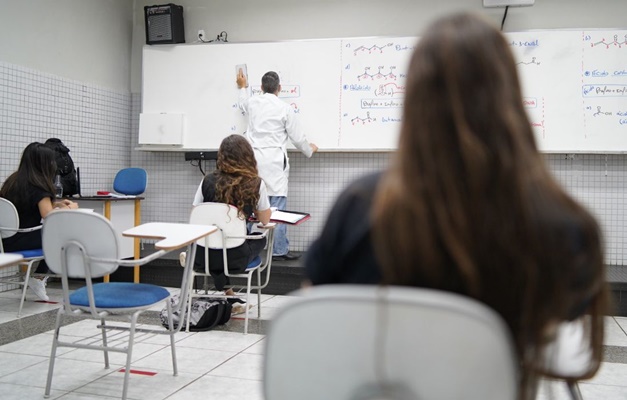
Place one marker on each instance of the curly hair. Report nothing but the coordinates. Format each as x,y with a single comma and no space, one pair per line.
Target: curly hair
237,179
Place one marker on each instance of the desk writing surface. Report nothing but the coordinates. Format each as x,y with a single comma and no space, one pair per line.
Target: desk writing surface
7,259
349,93
172,235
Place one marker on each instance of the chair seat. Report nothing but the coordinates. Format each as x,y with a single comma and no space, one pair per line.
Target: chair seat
30,253
120,295
254,263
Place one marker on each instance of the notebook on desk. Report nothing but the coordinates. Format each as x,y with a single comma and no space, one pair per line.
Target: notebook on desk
289,217
286,217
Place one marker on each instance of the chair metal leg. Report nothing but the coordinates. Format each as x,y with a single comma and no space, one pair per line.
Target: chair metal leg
25,287
258,294
129,354
189,299
573,390
250,277
53,352
172,341
104,343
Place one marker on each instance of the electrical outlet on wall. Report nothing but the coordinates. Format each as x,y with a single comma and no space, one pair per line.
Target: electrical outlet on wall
201,34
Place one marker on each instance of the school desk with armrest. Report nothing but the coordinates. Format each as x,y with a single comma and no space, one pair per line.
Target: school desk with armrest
85,245
8,259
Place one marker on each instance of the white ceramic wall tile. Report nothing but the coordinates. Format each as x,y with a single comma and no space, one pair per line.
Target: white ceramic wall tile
94,122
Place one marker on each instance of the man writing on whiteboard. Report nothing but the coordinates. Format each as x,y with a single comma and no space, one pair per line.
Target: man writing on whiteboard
270,123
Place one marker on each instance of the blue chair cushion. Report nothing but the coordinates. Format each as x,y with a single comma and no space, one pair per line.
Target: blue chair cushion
120,295
130,181
254,263
30,253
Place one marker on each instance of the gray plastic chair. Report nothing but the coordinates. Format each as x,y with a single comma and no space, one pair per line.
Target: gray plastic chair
9,226
358,342
79,244
232,233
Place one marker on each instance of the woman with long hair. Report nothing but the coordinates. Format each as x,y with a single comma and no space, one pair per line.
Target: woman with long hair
235,181
468,204
31,190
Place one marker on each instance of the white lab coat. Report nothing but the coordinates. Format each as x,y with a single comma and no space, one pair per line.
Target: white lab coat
271,122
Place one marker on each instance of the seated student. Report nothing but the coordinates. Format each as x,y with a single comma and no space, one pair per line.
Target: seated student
31,190
468,204
235,181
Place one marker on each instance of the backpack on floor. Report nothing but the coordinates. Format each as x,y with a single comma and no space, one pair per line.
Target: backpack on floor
206,314
65,166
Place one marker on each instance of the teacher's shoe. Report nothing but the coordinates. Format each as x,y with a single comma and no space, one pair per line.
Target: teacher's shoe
39,287
286,257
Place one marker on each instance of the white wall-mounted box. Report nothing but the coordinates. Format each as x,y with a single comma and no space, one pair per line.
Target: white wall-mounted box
504,3
162,129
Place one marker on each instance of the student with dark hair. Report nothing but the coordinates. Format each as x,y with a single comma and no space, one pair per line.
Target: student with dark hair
468,204
236,182
31,190
271,122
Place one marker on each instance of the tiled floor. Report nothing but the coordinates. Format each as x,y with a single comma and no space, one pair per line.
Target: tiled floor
219,364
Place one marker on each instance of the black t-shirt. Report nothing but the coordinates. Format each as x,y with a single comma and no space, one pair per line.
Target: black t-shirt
28,211
343,253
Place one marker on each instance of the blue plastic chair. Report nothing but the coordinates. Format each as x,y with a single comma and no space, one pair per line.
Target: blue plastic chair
130,181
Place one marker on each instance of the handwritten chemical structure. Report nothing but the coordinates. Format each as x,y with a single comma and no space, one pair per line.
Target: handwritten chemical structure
371,49
532,62
295,108
377,75
363,121
603,42
599,112
389,90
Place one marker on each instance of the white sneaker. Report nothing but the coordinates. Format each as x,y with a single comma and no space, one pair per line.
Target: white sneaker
183,258
39,287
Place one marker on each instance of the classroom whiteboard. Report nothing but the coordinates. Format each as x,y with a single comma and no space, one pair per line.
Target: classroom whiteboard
348,93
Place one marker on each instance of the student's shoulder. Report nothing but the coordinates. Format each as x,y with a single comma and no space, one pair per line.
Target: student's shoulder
37,192
361,189
367,182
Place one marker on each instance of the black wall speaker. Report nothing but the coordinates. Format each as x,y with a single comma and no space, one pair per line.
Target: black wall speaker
164,24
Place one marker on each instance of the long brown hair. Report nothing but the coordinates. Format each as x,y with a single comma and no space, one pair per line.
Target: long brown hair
237,179
37,168
469,205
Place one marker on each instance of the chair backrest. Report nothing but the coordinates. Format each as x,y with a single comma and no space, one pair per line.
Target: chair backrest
91,230
130,181
225,217
9,219
350,342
